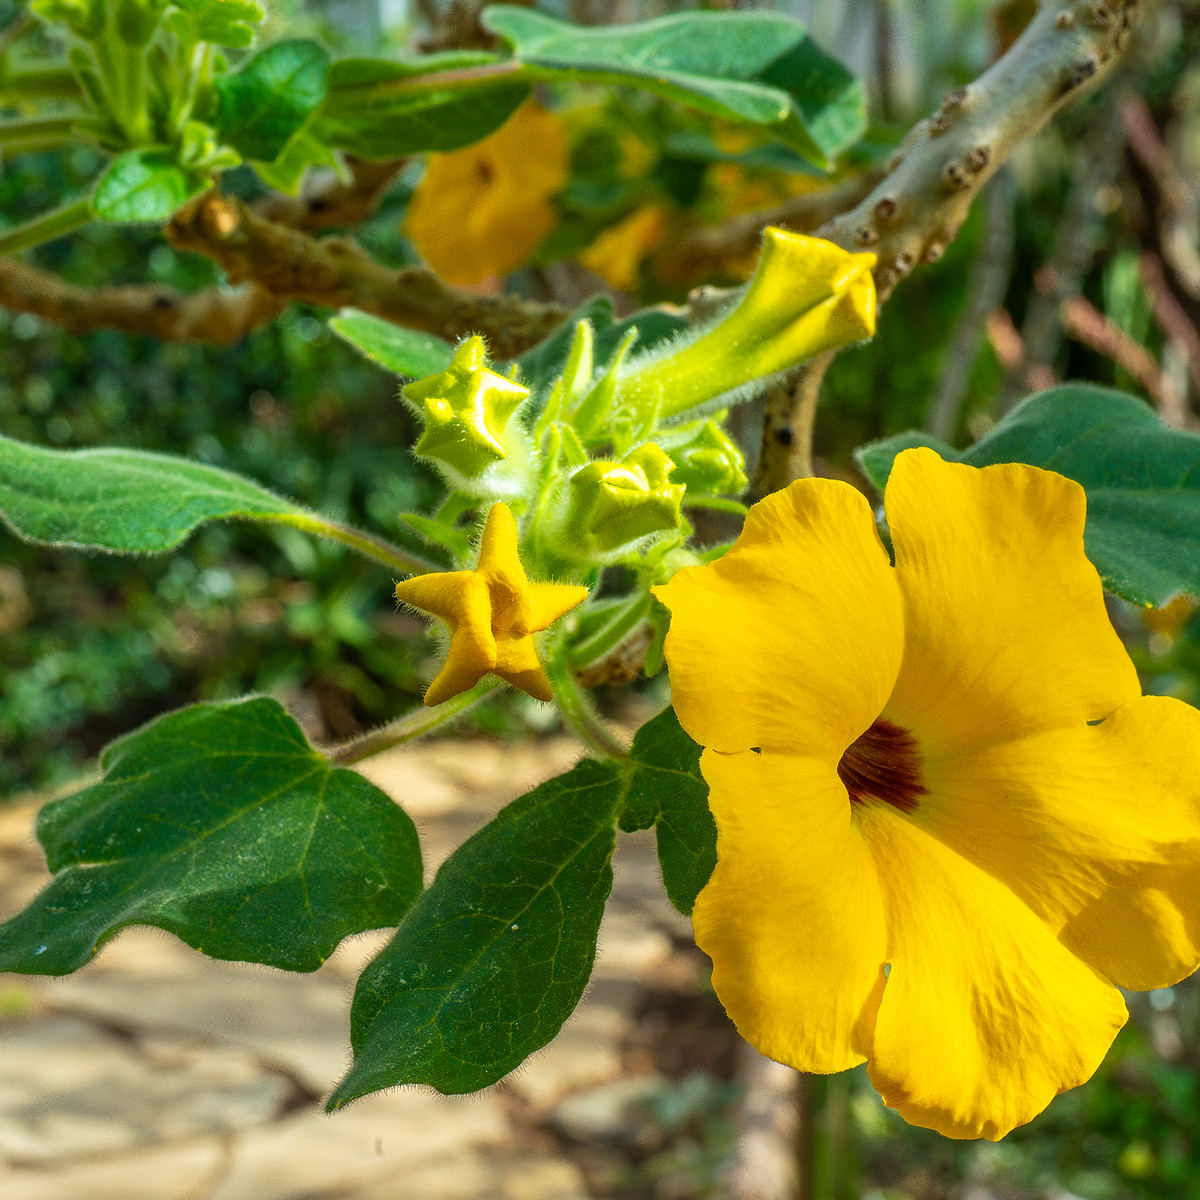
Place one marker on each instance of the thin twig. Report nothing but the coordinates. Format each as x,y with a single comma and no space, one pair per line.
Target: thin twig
1170,316
1087,324
214,315
789,415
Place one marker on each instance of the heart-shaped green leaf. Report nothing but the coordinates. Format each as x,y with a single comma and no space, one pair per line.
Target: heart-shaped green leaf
221,825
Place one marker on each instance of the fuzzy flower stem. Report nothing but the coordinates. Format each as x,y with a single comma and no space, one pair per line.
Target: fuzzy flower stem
577,709
413,725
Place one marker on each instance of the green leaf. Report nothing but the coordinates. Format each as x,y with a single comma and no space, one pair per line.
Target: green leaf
700,59
829,106
123,501
438,533
382,109
1142,481
753,66
666,790
224,22
408,352
261,106
221,825
493,957
145,185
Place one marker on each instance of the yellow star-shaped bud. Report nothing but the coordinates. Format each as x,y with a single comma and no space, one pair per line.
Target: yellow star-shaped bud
465,409
493,612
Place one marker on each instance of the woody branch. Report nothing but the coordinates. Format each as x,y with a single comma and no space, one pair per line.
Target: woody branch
916,210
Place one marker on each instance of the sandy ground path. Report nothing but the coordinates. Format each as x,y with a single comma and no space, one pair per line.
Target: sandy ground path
157,1074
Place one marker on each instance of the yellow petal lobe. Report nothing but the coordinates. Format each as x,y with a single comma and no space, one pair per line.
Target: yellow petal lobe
986,1017
1096,828
791,641
792,916
492,612
1005,627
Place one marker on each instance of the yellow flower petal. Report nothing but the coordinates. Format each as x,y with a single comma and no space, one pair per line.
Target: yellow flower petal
792,640
792,916
492,612
1096,828
617,251
985,1017
484,209
1005,627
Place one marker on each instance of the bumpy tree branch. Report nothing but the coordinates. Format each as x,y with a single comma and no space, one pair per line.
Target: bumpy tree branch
327,202
213,314
209,315
335,271
915,211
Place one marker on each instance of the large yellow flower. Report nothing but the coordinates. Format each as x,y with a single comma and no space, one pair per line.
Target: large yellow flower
948,822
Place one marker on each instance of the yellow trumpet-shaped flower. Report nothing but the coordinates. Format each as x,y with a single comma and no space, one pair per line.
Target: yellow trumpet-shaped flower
807,296
948,821
493,612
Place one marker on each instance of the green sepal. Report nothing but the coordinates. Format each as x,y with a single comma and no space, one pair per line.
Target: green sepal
223,826
590,412
456,541
136,20
224,22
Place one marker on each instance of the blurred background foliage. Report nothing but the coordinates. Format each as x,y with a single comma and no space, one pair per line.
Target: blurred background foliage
1058,274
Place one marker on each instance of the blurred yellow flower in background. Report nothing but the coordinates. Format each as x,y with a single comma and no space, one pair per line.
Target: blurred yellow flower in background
483,210
948,821
617,252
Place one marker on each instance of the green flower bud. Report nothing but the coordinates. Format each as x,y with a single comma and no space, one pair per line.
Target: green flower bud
471,425
807,296
614,504
707,460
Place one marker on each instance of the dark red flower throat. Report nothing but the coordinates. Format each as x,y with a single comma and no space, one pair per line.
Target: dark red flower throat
883,764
